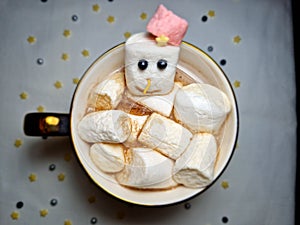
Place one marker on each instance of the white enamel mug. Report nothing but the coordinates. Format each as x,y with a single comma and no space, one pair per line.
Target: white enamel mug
192,61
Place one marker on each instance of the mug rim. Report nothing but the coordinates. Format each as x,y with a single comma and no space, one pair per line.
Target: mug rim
202,190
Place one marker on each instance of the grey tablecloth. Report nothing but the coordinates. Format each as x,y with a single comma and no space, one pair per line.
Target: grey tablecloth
45,46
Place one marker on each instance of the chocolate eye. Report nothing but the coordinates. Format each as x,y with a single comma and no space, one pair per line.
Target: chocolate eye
143,64
162,64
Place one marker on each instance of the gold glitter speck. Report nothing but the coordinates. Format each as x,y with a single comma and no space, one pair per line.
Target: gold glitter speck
75,80
236,84
68,222
23,95
40,108
211,13
58,84
96,8
85,53
15,215
31,39
237,39
67,33
110,19
61,177
143,16
65,56
18,142
127,35
32,177
43,212
225,184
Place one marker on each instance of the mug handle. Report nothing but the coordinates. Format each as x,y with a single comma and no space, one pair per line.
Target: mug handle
47,124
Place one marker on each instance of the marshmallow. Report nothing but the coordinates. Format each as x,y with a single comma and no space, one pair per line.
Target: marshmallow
165,136
111,126
147,169
162,104
137,123
195,167
108,157
108,94
201,107
142,46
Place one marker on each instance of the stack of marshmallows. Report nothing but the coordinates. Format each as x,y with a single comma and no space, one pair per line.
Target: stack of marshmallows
174,144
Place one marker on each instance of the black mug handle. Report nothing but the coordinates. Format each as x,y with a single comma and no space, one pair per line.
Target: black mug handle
47,124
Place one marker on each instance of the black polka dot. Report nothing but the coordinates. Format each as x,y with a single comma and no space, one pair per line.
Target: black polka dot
110,0
94,220
40,61
52,167
204,18
44,0
74,18
19,205
223,62
187,205
225,219
53,202
210,48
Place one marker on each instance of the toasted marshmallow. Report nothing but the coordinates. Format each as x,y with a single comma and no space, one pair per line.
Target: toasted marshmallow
142,46
108,93
162,104
137,123
108,157
111,126
201,107
195,167
165,136
147,169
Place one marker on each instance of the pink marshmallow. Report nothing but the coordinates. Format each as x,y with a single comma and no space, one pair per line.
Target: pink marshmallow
165,22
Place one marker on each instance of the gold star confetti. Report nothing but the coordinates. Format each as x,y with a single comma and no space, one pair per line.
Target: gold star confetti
65,56
162,40
143,16
68,222
40,108
31,39
85,53
67,33
15,215
127,35
32,177
67,157
75,80
92,199
111,19
236,84
211,13
225,184
237,39
18,142
58,84
43,212
23,95
61,177
96,8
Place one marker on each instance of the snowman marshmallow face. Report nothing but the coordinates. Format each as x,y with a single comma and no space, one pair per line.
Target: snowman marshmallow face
149,68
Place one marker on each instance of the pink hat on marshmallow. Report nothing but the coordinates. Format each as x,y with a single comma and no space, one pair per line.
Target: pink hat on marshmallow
165,23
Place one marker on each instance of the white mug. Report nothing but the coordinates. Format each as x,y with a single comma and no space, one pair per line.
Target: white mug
192,61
